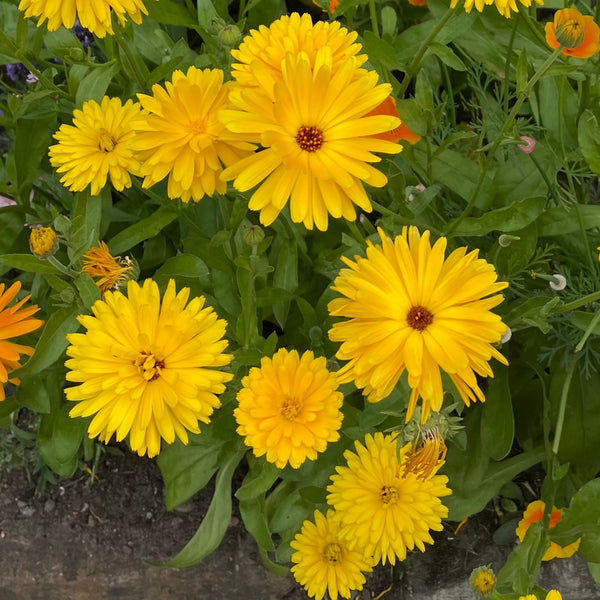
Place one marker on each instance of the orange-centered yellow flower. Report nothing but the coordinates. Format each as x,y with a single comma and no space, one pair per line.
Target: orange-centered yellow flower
318,142
94,15
262,52
14,320
383,506
323,562
534,513
408,307
289,408
181,137
578,33
97,146
147,367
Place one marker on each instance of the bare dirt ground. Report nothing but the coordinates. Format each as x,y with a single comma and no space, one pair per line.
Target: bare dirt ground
93,542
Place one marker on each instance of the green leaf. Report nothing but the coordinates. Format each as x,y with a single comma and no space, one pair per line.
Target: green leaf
255,521
447,56
511,218
497,419
285,277
595,571
522,72
59,440
52,342
142,230
259,479
561,220
214,525
93,86
88,290
28,262
588,136
33,393
169,13
12,228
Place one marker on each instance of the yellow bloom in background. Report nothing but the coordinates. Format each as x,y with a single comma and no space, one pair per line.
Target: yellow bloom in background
14,320
504,6
109,272
146,367
182,138
317,140
262,52
323,562
551,595
385,508
534,513
94,15
43,241
96,146
407,307
289,408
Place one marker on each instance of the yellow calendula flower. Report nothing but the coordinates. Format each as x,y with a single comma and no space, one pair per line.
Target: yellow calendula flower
182,138
97,146
504,6
43,241
534,513
262,52
94,15
383,506
147,367
289,408
317,141
14,321
408,307
551,595
483,581
323,562
109,272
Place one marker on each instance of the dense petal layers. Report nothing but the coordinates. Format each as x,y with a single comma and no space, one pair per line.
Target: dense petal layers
181,137
407,307
317,141
323,562
534,513
94,15
96,146
385,508
289,408
146,367
504,6
15,320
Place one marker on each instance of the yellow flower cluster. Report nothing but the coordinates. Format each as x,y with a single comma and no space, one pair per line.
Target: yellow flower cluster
299,121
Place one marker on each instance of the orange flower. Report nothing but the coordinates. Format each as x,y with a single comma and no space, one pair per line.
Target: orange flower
578,33
14,321
402,132
418,3
333,4
534,513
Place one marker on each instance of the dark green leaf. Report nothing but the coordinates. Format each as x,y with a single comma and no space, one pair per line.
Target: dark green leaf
144,229
497,419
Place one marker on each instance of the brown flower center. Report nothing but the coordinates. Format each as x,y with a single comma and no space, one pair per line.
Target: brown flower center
149,366
418,318
309,138
290,408
332,552
389,494
105,141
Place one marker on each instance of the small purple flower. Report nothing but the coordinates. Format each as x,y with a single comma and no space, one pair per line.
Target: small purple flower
16,71
85,36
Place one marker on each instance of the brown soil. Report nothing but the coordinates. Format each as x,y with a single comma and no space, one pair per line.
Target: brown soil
93,542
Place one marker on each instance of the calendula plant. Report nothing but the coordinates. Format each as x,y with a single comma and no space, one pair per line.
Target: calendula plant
345,253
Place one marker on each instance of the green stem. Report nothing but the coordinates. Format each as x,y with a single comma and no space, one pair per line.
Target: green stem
60,267
551,188
373,14
593,297
562,409
124,47
241,10
523,11
416,61
507,124
509,54
588,332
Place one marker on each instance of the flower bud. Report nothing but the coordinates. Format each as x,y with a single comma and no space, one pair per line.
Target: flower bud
43,242
230,36
570,33
529,146
253,235
483,581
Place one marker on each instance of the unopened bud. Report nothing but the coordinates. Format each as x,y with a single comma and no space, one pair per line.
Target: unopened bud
570,33
76,54
253,235
43,242
529,146
230,36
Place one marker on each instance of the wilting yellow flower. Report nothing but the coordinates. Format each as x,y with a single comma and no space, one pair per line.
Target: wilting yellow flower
147,368
289,408
384,507
262,52
409,308
109,272
534,513
317,141
14,321
96,146
94,15
579,34
323,562
483,581
504,6
181,137
43,241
